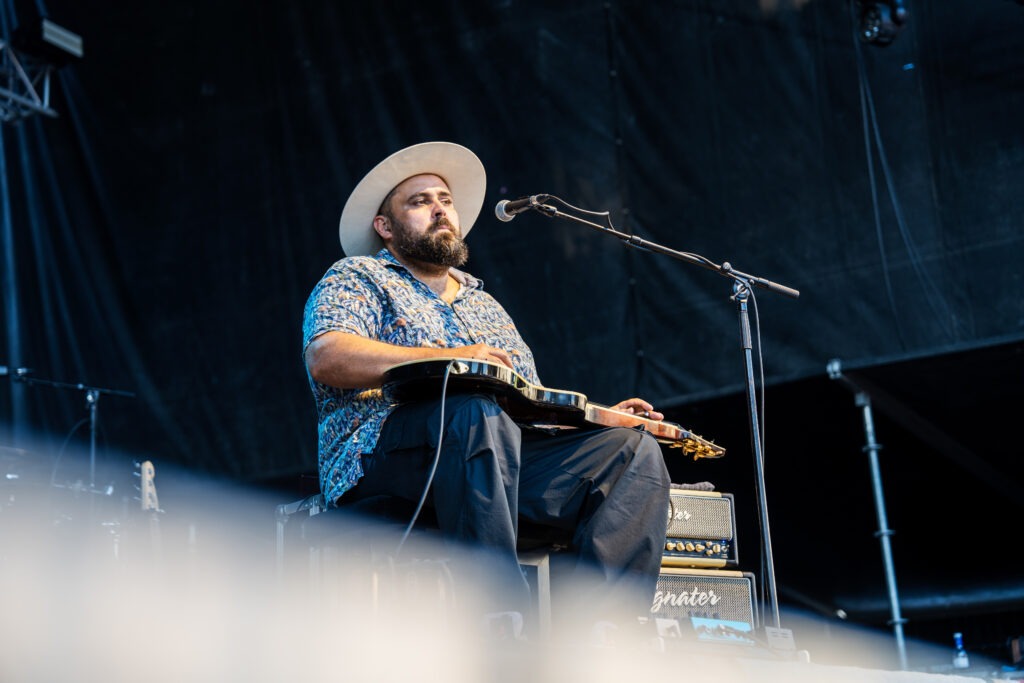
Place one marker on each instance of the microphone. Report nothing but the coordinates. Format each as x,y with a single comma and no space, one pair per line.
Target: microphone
507,209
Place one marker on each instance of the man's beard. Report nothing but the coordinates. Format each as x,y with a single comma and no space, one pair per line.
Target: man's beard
436,246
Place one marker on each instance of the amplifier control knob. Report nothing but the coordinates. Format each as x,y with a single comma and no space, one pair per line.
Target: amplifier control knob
689,546
700,547
717,547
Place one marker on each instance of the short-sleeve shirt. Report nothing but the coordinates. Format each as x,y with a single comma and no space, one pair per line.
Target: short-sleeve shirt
378,298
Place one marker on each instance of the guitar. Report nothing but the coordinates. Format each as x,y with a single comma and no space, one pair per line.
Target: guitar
149,502
147,487
530,403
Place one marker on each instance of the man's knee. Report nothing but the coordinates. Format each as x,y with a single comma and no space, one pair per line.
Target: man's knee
480,426
646,455
628,461
651,462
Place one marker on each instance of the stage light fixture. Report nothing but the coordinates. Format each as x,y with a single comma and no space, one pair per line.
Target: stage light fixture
48,42
35,51
881,20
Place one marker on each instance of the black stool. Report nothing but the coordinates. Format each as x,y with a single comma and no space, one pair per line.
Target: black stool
370,532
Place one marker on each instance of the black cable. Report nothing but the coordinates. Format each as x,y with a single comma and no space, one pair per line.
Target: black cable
864,93
760,366
608,219
901,223
433,466
761,429
871,129
63,446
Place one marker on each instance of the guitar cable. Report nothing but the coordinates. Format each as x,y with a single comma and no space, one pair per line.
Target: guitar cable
433,465
760,408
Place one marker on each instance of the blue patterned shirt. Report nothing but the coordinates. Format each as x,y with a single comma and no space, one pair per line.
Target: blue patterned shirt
378,298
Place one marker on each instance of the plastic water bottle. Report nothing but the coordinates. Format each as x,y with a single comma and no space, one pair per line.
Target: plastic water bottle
960,658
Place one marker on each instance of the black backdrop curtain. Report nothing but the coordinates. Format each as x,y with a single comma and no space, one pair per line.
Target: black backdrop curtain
162,234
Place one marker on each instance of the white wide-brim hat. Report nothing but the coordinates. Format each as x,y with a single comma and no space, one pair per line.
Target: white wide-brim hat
461,170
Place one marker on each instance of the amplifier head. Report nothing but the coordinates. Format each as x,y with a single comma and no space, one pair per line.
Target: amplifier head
708,604
701,530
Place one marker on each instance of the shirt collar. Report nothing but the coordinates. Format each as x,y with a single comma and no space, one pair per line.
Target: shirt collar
465,279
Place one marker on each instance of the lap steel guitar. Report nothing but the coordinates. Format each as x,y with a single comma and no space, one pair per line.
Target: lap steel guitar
529,403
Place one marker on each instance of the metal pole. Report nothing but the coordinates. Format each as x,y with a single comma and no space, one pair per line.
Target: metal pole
92,397
863,401
11,296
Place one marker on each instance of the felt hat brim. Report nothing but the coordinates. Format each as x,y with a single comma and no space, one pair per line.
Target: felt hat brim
460,168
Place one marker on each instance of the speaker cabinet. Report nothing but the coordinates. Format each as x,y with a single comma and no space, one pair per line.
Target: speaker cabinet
706,604
701,530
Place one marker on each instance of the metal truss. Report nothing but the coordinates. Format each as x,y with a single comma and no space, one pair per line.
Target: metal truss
24,85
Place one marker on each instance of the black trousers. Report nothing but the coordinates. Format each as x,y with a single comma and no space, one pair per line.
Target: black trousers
605,491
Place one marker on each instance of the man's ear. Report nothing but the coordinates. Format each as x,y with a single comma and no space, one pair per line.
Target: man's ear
382,225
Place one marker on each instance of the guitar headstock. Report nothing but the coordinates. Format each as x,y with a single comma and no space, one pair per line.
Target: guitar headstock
147,487
699,447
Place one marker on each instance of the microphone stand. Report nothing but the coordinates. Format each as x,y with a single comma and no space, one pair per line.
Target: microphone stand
92,400
741,292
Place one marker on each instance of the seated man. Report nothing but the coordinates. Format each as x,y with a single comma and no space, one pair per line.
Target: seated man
398,296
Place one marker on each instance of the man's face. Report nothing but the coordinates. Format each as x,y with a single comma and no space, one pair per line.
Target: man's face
423,223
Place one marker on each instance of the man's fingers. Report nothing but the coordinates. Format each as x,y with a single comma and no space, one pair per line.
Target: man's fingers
503,357
638,406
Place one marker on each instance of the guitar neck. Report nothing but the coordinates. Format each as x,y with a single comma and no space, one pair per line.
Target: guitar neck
669,433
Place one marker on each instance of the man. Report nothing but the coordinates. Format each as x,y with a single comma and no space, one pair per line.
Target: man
398,296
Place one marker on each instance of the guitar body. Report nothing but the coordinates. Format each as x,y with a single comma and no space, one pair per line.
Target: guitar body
419,380
529,403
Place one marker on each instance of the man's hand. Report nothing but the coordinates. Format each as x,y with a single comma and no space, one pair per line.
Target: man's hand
638,406
481,352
